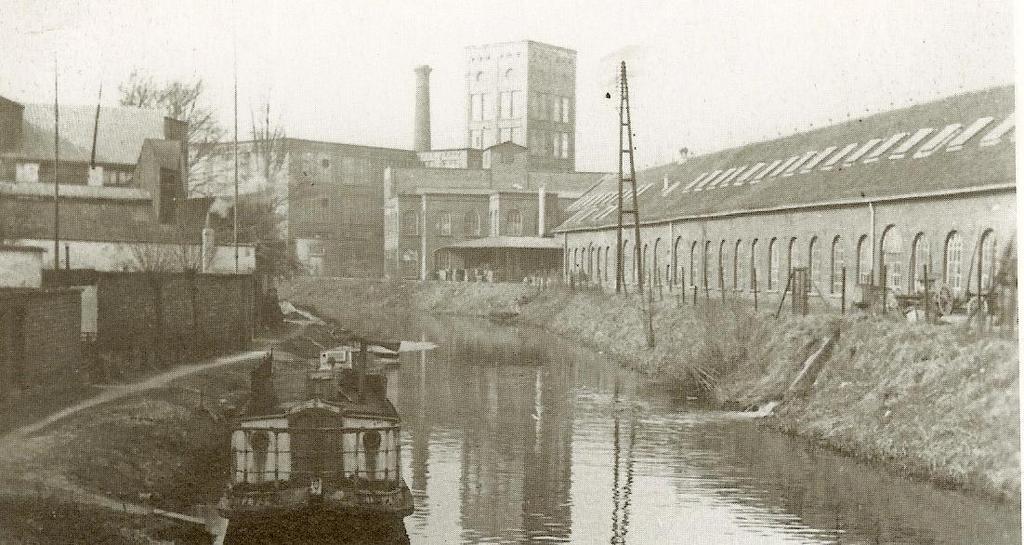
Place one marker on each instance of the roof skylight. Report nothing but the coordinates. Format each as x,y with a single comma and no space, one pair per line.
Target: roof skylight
861,152
765,172
819,158
945,135
996,134
839,155
695,181
751,170
884,147
710,177
957,143
907,145
803,159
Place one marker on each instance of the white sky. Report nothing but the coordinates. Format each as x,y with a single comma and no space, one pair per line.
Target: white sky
708,74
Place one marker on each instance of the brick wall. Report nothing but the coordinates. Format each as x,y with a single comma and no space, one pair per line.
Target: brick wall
178,314
50,353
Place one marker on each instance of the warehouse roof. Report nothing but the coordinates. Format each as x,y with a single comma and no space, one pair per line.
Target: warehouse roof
534,243
963,142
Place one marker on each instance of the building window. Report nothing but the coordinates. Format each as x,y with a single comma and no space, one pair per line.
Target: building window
411,223
506,105
476,139
693,264
920,257
952,258
838,262
565,109
773,264
892,258
487,104
476,110
443,224
504,135
515,222
517,105
814,261
863,260
565,145
471,224
792,258
517,136
737,258
723,265
554,114
26,173
555,141
987,258
753,264
705,262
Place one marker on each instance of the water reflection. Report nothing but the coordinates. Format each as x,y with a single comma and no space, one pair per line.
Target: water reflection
518,437
515,436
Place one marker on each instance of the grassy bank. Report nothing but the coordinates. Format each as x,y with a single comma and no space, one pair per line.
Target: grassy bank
926,400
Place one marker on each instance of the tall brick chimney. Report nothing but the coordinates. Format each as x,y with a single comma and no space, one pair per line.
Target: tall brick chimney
421,134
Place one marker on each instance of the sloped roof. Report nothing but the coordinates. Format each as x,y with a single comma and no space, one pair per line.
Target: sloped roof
121,133
957,143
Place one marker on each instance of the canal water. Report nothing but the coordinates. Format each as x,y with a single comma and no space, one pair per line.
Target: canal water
515,436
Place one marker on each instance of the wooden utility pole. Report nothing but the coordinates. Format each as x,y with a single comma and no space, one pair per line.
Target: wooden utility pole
56,171
234,207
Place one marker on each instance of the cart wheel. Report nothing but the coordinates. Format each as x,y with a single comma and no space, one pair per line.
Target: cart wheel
944,300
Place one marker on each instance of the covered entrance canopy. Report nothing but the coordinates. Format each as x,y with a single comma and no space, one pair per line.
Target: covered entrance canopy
500,259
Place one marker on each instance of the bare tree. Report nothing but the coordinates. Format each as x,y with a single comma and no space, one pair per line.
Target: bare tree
182,100
268,145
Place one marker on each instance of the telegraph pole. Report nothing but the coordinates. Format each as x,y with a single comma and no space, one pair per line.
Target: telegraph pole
626,150
234,208
56,171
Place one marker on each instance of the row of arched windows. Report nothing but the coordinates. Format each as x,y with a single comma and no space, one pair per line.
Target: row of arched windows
734,264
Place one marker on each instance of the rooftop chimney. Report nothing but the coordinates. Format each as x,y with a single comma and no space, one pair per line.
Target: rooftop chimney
421,130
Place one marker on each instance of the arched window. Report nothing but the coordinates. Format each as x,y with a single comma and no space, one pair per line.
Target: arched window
892,258
951,260
920,257
792,260
607,250
575,261
838,262
737,258
644,269
723,265
410,223
773,264
863,260
515,222
706,262
677,266
813,261
655,270
598,277
987,259
627,260
590,262
753,264
443,223
471,224
693,264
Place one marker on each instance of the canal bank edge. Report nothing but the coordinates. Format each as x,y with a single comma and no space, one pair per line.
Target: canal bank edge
925,400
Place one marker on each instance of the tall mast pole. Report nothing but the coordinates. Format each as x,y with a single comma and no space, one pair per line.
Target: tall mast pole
56,171
234,209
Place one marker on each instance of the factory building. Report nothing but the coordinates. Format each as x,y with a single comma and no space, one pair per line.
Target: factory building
520,108
123,174
929,186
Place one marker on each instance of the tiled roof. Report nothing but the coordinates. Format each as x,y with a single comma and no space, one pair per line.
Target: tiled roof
957,143
119,139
